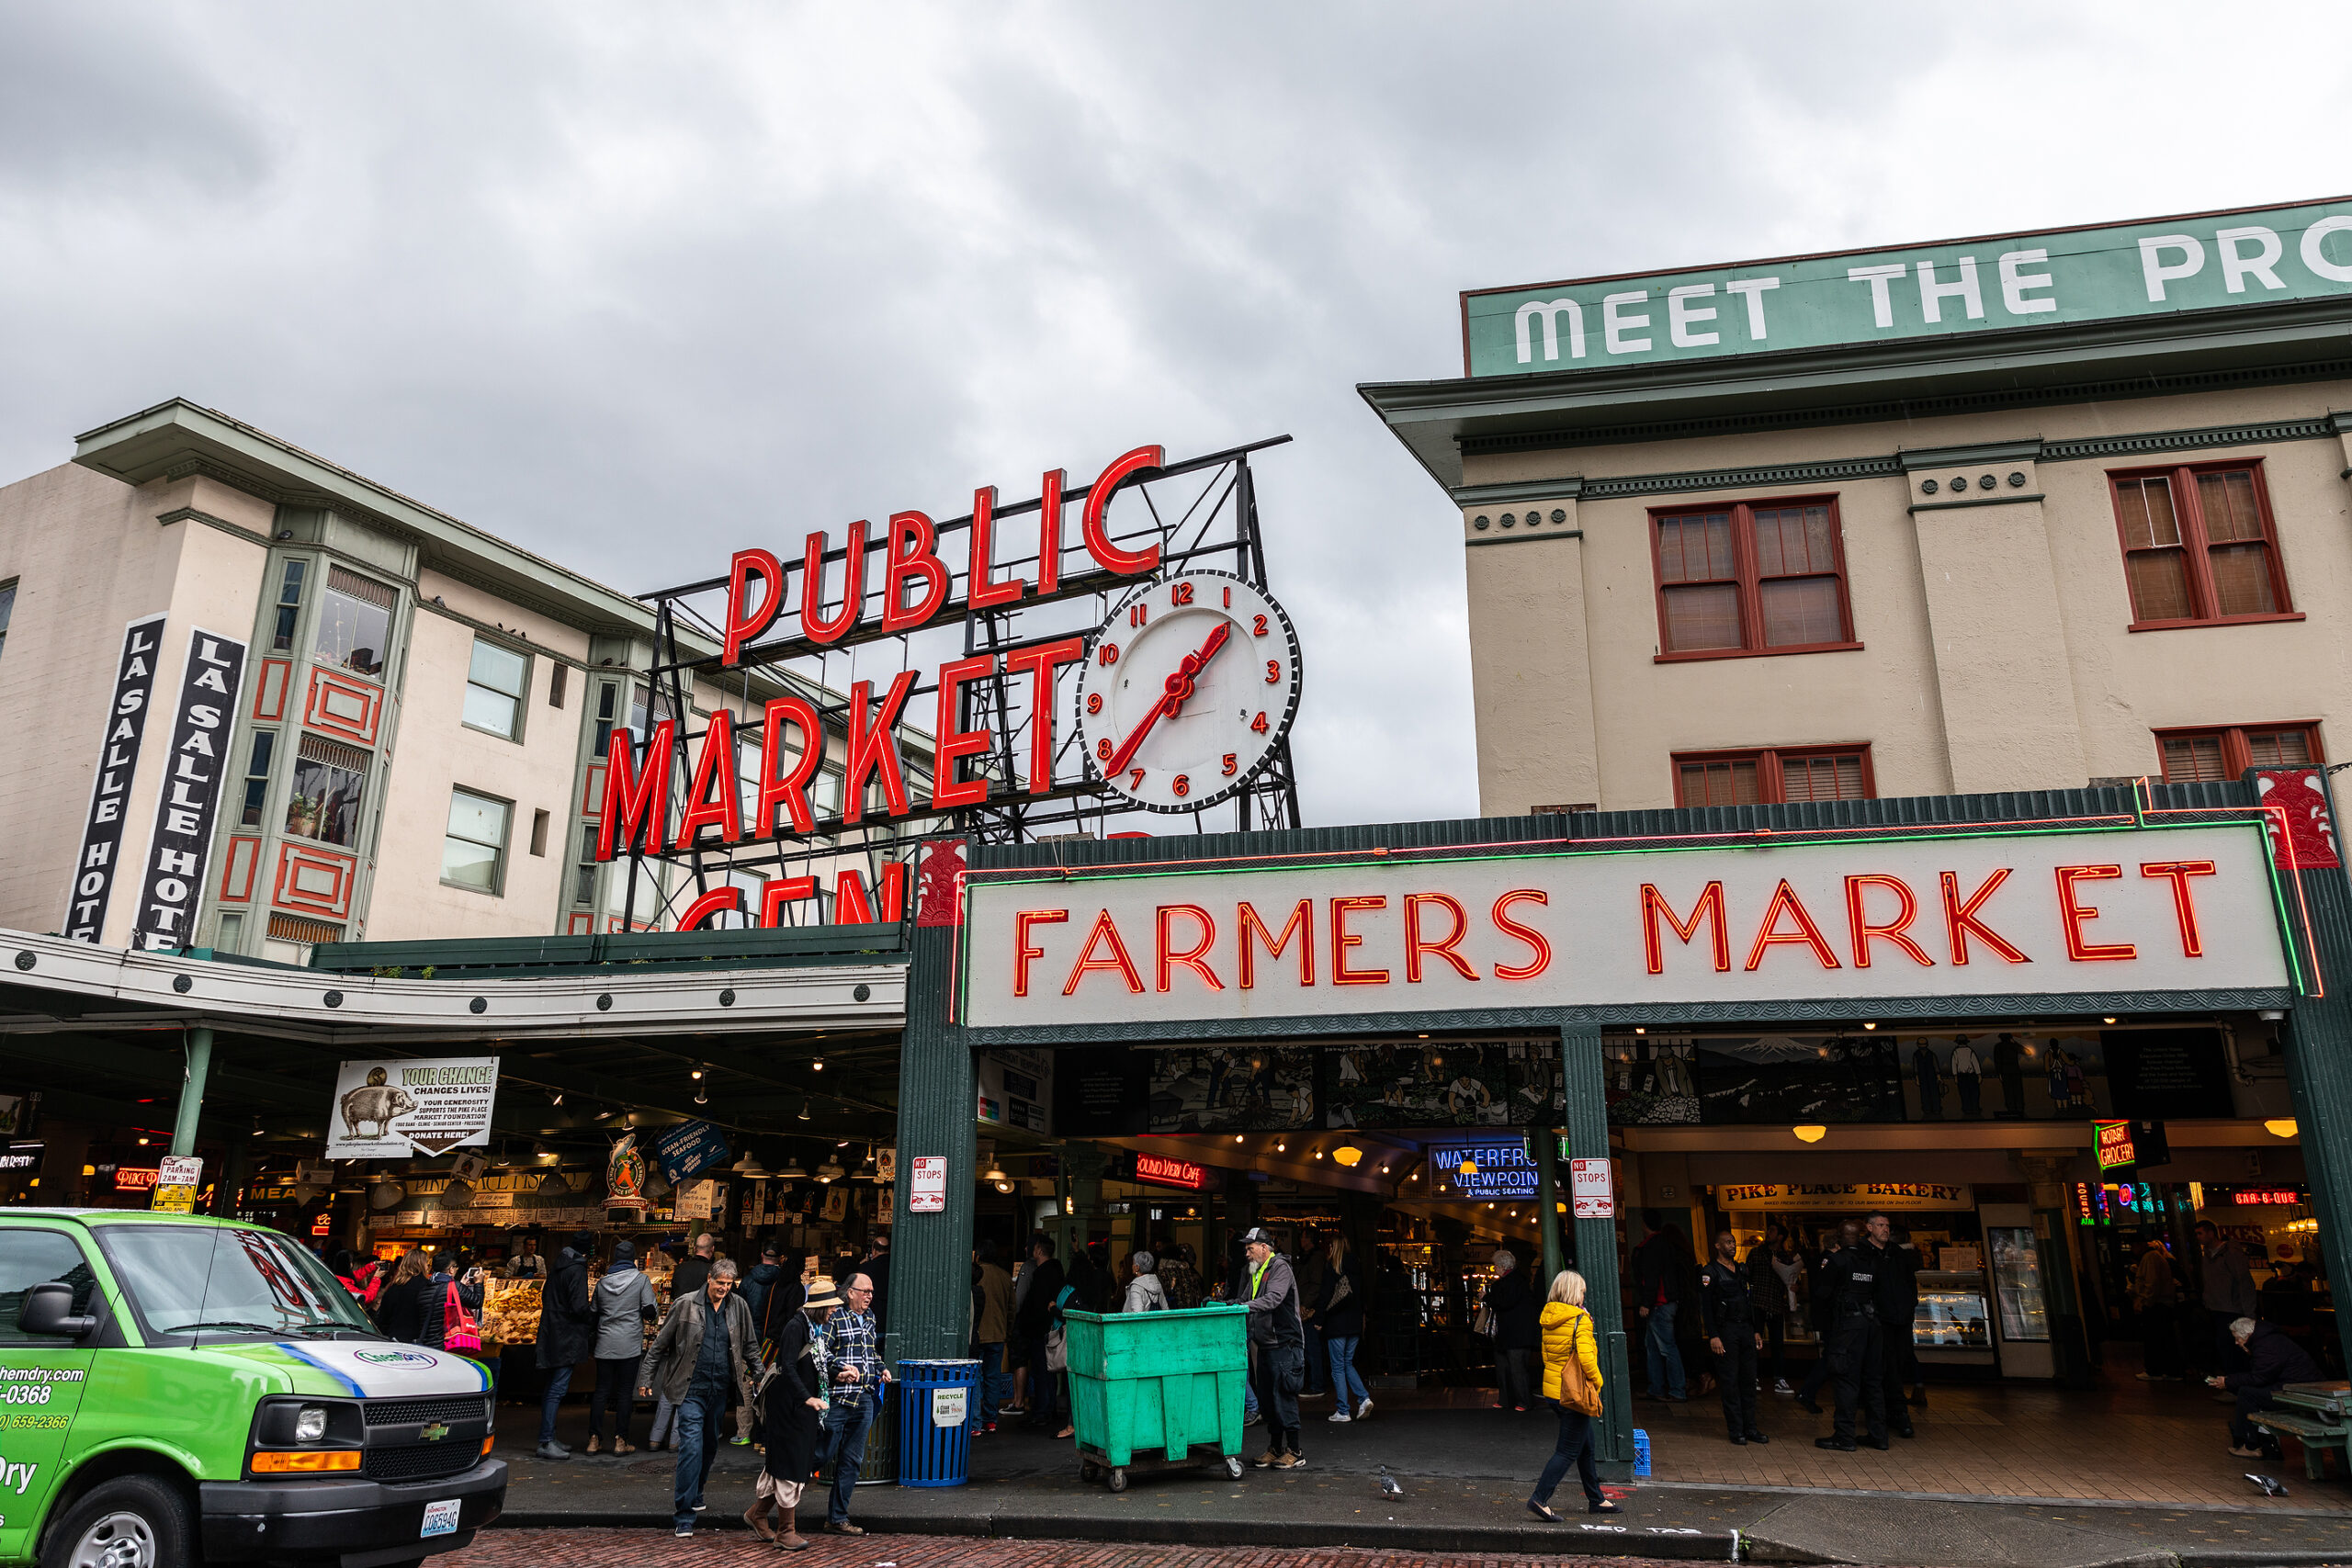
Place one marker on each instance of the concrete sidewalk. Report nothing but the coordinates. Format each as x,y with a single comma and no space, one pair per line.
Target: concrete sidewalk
1466,1477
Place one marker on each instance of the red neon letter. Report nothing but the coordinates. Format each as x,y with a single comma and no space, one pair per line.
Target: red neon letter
1959,918
634,799
1539,950
874,748
1342,938
1785,897
743,625
812,587
980,591
2071,915
1105,932
851,905
716,765
1710,906
1415,946
1195,957
1023,953
913,553
1301,924
2179,872
789,790
1049,533
1126,563
775,895
709,904
1859,924
948,785
1041,661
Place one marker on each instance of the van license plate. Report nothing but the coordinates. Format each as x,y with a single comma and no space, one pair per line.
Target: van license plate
440,1519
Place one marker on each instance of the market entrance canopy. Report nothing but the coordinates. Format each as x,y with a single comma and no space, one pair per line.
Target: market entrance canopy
1903,926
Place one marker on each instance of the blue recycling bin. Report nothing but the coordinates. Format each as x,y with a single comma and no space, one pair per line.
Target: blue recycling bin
935,1403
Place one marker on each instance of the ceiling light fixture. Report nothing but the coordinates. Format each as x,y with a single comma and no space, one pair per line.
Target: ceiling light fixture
2281,1127
792,1171
803,1110
818,1065
1872,1023
1811,1133
1347,1154
830,1172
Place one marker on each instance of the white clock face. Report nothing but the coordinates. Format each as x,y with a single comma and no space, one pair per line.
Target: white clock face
1188,688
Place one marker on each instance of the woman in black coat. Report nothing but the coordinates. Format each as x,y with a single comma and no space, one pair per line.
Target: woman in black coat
792,1407
399,1311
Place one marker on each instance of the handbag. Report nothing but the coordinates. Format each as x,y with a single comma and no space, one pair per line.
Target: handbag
459,1329
1483,1323
1576,1394
1057,1337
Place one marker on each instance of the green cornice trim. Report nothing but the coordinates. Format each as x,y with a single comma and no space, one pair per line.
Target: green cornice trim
1986,501
1517,491
1915,458
2184,440
190,514
1775,476
1528,539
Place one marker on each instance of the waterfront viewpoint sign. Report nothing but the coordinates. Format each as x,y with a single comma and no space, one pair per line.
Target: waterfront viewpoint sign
1948,289
2084,912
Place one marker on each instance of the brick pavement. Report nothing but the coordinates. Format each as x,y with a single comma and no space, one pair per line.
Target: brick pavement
632,1549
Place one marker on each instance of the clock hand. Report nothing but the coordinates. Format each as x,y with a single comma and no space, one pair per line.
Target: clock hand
1179,687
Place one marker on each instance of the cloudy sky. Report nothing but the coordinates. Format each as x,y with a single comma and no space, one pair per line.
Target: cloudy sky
631,285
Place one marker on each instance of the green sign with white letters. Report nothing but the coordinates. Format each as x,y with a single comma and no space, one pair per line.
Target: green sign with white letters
2165,266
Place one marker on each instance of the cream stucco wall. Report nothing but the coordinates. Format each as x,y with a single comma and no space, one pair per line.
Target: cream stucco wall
89,557
1995,650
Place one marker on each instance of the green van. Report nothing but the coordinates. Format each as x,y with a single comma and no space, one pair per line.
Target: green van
177,1391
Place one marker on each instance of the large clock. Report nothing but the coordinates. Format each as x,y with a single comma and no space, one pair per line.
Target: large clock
1188,689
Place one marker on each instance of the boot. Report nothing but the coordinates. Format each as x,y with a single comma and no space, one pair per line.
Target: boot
788,1537
756,1517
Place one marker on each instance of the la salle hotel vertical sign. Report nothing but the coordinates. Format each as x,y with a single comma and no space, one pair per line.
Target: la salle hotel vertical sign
101,856
191,797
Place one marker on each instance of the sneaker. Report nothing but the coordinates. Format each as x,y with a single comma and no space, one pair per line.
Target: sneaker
2236,1452
1291,1461
1268,1458
1340,1416
1785,1386
844,1528
683,1531
620,1447
595,1446
1364,1408
700,1508
554,1450
740,1442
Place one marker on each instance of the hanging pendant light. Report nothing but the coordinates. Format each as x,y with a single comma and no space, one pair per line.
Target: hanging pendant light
750,1168
831,1171
792,1171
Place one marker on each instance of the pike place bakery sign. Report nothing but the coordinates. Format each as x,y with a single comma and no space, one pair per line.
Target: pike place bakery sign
2086,913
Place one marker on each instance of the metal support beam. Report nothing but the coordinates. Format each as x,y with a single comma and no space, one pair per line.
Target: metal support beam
2317,1037
1595,1254
930,1254
199,1067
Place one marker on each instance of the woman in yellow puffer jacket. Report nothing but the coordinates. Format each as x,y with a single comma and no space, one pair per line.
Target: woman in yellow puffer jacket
1569,1337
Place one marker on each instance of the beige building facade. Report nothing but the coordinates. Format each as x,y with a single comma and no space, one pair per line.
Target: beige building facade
419,728
2019,556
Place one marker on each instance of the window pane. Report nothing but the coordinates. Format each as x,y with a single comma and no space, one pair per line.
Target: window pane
30,1257
2279,748
2159,581
1719,783
475,865
1822,778
1800,610
493,711
2242,580
351,631
2148,519
1696,549
474,816
8,607
1794,541
500,669
2230,511
328,781
2191,758
1702,618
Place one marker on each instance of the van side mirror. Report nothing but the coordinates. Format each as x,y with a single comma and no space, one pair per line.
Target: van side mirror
48,1311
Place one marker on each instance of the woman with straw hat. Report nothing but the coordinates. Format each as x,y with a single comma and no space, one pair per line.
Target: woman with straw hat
792,1402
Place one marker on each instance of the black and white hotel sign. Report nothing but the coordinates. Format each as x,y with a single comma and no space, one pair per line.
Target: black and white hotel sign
191,797
95,867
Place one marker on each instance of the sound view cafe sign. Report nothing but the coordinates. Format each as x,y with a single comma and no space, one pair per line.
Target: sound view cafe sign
2092,911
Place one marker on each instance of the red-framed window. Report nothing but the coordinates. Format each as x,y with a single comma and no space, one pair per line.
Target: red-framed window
1767,576
2199,545
2187,756
1773,776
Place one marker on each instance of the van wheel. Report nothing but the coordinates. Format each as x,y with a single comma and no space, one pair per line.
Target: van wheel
132,1521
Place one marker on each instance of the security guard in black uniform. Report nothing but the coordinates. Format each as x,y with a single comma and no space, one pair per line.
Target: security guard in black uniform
1730,1318
1855,1338
1899,1305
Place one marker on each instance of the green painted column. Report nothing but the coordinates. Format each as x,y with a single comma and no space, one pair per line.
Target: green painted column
1546,1144
199,1068
1595,1253
930,1254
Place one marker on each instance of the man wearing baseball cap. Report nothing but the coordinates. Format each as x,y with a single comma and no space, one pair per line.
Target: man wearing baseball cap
1278,1341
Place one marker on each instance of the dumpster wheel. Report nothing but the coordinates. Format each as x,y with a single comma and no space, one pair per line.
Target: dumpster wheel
1233,1466
1118,1481
1088,1471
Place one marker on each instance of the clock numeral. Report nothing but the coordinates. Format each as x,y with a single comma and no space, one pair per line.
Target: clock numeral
1183,786
1257,725
1261,625
1180,593
1231,763
1228,598
1135,778
1137,613
1093,701
1107,655
1273,671
1102,749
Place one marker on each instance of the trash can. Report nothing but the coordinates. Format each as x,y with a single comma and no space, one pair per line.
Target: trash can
879,1466
935,1403
1170,1381
1641,1452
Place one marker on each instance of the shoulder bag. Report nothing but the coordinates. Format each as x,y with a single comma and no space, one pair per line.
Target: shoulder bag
459,1329
1575,1392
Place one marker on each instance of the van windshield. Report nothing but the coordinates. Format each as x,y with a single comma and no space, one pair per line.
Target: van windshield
192,1283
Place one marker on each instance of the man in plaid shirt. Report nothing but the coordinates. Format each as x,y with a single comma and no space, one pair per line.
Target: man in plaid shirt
848,1353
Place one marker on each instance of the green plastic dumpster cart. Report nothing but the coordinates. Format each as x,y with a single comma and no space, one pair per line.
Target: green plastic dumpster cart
1156,1389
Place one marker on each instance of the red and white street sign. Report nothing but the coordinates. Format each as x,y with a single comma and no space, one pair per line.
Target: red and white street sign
928,1195
1593,1193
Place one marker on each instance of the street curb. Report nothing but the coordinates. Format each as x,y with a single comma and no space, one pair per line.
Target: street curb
1577,1538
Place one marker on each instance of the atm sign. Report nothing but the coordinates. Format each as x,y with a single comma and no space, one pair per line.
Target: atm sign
1161,1171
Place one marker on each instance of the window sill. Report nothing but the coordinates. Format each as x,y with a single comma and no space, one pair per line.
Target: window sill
1702,653
469,887
2217,621
494,735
